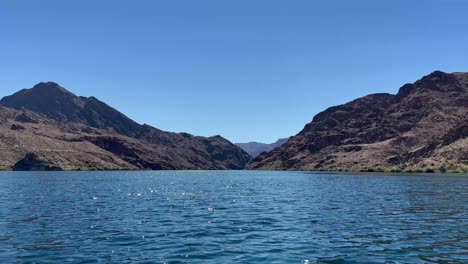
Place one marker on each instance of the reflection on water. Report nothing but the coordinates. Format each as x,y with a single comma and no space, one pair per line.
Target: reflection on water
232,216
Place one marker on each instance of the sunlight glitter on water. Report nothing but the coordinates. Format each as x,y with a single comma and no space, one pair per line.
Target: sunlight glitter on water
232,216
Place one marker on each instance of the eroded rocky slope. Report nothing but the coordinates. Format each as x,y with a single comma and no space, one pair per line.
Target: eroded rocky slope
424,127
48,127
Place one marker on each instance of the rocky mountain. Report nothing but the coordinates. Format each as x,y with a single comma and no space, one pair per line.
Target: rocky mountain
255,148
63,106
49,128
424,127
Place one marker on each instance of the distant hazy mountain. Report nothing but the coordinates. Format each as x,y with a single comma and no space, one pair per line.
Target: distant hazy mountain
255,148
424,127
49,128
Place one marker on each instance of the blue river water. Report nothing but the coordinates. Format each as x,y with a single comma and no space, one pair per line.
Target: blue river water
232,217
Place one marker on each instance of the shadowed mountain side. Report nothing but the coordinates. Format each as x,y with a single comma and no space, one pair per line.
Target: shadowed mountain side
61,105
423,127
52,126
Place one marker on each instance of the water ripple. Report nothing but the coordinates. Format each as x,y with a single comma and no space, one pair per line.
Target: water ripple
232,216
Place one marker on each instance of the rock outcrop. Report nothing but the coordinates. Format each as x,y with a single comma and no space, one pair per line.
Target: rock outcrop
31,162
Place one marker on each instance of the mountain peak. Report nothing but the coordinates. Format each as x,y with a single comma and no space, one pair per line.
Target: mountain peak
54,101
47,98
438,77
50,88
437,73
43,85
436,81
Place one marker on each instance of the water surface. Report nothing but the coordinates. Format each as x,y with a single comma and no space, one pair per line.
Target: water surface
232,217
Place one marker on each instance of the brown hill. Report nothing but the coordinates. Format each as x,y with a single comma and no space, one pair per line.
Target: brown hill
422,128
48,127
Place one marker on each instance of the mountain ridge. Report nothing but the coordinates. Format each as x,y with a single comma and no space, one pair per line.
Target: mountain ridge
423,127
76,126
62,105
256,148
404,131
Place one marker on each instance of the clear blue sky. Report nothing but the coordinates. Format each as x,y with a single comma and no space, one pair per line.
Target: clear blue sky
247,70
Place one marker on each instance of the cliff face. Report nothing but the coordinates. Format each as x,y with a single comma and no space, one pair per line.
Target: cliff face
423,126
48,127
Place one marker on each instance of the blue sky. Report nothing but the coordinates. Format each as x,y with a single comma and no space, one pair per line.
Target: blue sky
247,70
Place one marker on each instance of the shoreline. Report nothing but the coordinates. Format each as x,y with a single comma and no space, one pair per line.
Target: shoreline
416,170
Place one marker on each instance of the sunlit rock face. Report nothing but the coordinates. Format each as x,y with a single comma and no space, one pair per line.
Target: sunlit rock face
422,127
